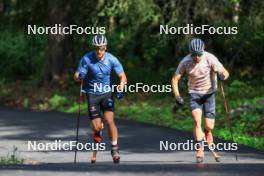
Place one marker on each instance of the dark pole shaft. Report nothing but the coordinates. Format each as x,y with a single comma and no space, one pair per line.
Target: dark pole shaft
228,120
78,121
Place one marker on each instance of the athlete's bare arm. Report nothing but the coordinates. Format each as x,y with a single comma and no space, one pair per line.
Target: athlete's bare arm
75,76
123,81
174,82
226,74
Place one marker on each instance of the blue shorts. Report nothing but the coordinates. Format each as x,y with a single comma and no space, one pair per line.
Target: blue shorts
204,102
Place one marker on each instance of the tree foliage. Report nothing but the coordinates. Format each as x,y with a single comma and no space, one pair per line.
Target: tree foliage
133,31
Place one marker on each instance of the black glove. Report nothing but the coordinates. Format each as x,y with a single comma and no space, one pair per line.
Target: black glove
220,76
179,100
81,76
119,95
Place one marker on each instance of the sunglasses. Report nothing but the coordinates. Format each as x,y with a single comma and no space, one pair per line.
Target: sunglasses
100,48
196,55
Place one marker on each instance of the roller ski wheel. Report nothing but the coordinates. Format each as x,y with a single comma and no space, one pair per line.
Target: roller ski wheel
217,157
199,159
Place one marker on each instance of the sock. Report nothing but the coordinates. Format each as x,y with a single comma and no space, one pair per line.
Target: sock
114,143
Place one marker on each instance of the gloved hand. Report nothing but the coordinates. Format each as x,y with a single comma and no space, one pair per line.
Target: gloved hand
220,76
81,76
179,100
119,95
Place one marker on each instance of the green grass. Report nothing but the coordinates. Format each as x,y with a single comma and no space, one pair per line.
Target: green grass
163,115
11,159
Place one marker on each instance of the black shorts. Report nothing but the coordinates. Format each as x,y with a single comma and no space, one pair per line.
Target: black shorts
97,103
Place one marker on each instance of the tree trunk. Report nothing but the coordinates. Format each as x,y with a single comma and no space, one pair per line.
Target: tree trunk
1,6
59,50
236,9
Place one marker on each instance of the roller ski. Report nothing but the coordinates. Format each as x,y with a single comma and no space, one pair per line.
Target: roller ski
115,154
200,152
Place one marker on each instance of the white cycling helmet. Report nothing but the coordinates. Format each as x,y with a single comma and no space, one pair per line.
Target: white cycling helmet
196,46
99,40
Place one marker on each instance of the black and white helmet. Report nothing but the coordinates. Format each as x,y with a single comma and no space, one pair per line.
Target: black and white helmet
196,46
99,40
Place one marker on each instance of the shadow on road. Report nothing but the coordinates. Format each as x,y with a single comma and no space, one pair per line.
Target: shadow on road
134,137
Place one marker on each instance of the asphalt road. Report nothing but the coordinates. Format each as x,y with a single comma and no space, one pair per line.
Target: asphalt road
139,143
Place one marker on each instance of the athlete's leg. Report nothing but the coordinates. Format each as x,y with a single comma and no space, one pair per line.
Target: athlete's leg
112,129
209,126
209,111
96,125
108,108
198,134
196,106
113,134
197,124
197,111
96,121
94,114
107,105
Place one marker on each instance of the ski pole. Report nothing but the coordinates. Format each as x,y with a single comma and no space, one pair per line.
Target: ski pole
78,121
227,116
